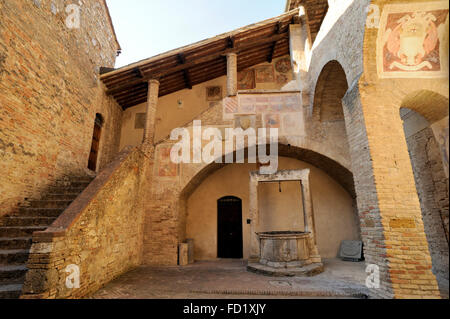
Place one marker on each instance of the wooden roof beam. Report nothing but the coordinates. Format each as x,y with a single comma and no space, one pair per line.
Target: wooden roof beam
272,51
231,42
195,62
187,78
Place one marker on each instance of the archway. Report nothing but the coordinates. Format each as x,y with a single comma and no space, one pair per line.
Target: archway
333,192
425,118
330,89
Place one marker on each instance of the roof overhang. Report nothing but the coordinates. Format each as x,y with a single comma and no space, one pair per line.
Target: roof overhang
315,11
202,61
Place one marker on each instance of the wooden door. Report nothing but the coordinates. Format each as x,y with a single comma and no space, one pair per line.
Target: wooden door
229,228
95,147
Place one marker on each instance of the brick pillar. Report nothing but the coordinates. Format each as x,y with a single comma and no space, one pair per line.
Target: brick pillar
231,74
388,204
152,103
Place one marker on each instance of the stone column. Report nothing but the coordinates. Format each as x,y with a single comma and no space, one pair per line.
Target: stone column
231,74
152,103
254,215
310,224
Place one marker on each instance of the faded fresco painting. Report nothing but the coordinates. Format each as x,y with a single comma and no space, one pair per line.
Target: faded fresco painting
278,110
264,74
230,107
283,65
272,121
411,40
214,93
166,168
246,80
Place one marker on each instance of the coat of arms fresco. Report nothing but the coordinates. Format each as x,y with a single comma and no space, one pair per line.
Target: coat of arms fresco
411,42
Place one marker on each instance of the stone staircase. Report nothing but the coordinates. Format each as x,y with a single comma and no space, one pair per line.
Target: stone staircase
16,231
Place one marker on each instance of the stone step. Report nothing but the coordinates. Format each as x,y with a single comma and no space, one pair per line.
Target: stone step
12,273
65,197
12,221
16,256
79,184
66,190
50,204
10,291
16,243
20,231
38,212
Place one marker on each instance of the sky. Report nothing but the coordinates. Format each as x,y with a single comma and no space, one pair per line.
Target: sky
146,28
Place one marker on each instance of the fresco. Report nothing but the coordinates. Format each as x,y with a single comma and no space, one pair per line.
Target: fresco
282,79
283,65
230,107
411,40
166,168
272,121
264,74
246,80
214,93
269,103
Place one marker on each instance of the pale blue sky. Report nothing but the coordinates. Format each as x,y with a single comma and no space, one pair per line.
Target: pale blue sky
148,27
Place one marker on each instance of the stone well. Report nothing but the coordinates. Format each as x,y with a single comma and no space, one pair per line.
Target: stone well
284,253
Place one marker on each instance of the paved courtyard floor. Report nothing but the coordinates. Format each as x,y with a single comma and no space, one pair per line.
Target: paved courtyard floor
229,279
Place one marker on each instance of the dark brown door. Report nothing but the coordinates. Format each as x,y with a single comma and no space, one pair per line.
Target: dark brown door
95,146
229,228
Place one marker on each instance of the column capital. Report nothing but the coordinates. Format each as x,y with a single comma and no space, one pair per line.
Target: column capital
153,81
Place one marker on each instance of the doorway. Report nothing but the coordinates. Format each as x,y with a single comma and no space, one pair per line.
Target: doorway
229,228
93,156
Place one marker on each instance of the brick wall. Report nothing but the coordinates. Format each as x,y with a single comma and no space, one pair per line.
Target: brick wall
408,264
50,93
432,188
101,233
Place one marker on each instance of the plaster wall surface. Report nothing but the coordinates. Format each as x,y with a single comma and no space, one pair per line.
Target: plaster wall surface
335,217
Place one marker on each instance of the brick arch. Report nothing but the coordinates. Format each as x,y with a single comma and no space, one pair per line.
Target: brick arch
331,167
331,86
431,105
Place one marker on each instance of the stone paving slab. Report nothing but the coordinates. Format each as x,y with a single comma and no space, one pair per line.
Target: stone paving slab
229,279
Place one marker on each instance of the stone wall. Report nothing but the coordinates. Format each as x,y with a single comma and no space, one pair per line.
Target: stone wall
50,93
101,233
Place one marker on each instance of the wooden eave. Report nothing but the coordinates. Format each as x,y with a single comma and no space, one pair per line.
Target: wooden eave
315,10
185,67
